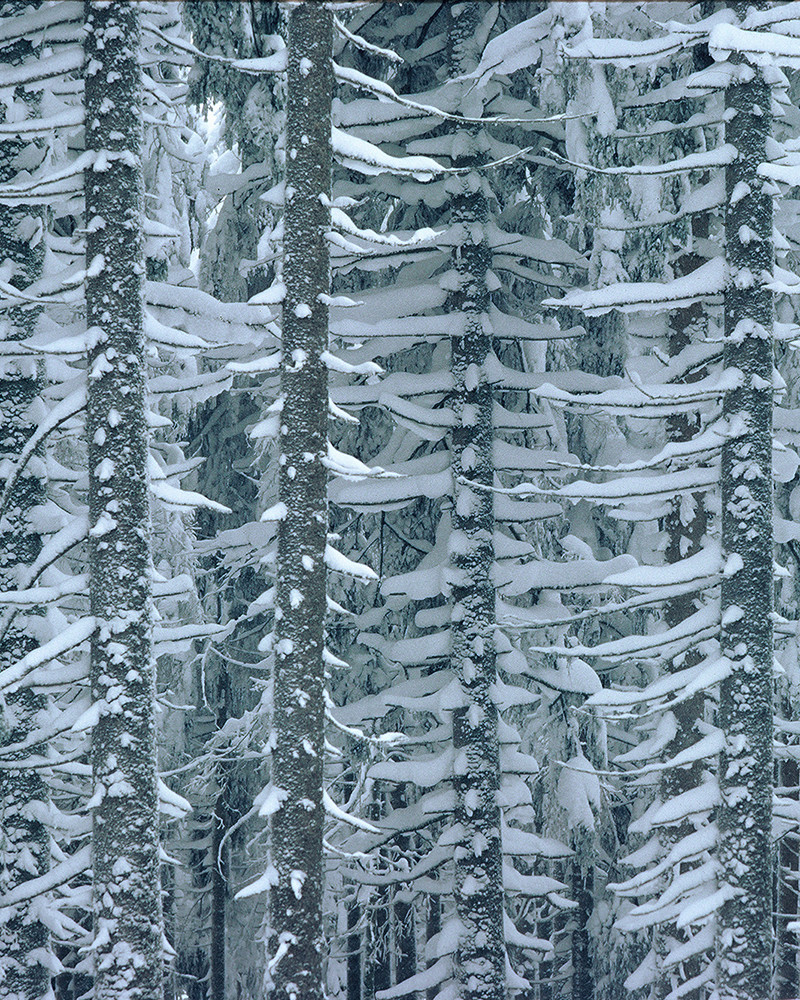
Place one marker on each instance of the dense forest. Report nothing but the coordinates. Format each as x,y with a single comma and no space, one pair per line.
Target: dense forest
400,500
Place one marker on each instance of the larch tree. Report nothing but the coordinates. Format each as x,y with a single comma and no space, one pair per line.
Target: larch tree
127,945
298,713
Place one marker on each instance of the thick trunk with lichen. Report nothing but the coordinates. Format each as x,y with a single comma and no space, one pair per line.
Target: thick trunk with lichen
126,894
744,936
480,953
24,838
296,943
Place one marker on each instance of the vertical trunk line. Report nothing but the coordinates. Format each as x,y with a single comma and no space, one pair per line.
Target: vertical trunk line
125,849
480,955
298,708
744,937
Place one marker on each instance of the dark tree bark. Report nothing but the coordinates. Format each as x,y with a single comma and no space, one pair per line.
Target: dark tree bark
125,851
298,707
744,939
480,955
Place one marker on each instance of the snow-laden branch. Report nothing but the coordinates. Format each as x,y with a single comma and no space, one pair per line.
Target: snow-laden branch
380,89
364,45
705,282
58,875
763,48
72,636
701,625
35,74
274,63
720,156
35,127
62,412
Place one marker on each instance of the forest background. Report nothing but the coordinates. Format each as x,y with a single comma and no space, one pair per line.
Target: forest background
399,530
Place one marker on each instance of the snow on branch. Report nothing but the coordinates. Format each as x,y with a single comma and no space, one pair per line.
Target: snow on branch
42,190
720,156
382,90
703,624
543,574
421,238
78,717
275,63
71,405
42,70
362,43
35,20
368,159
515,49
57,876
620,491
339,563
175,498
624,52
759,47
338,814
32,597
705,282
71,637
34,127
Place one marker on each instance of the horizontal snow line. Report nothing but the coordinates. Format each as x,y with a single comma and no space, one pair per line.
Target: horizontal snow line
704,282
59,875
75,634
722,156
273,63
701,625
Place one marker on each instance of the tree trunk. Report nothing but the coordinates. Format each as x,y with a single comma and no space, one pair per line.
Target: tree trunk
583,896
744,940
298,713
125,850
480,954
24,837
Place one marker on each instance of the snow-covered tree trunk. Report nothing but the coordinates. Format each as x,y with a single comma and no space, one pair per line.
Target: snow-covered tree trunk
480,955
745,714
298,707
125,854
24,838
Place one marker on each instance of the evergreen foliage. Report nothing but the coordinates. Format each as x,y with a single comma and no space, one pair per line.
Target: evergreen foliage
472,328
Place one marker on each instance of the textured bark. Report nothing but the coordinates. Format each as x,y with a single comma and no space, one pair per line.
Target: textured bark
219,892
583,896
24,838
354,955
480,954
744,939
126,895
298,712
